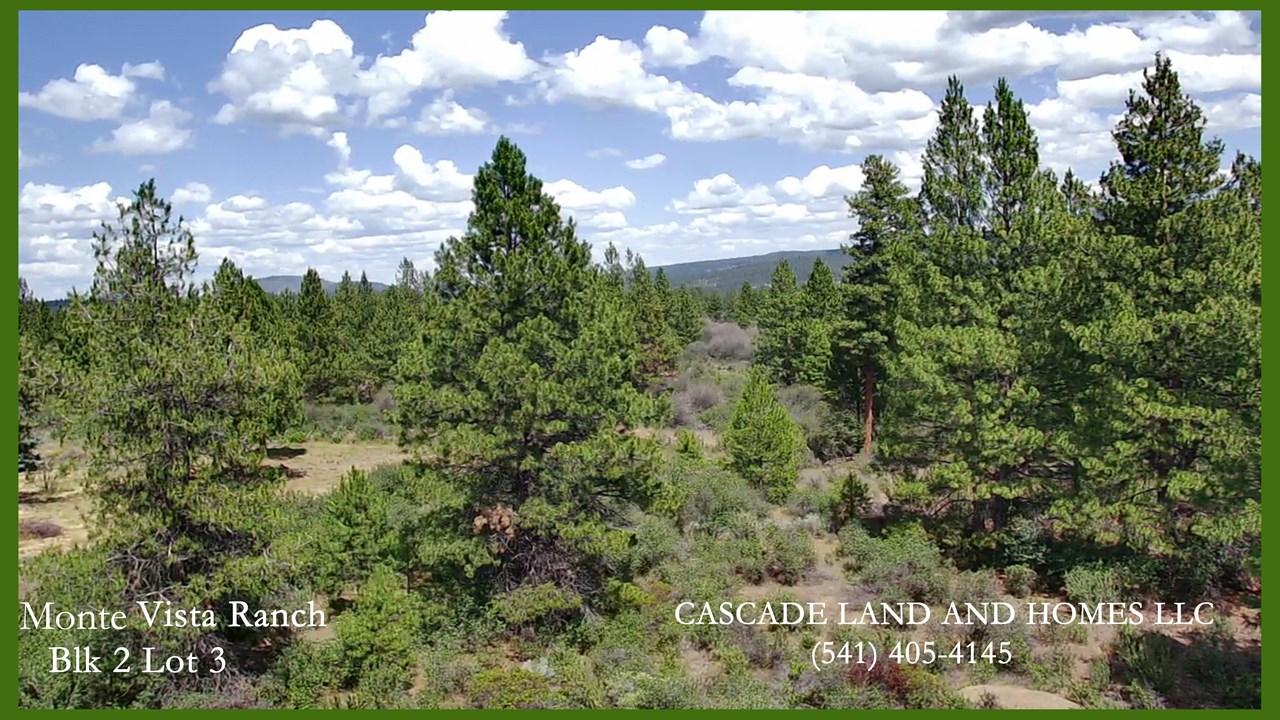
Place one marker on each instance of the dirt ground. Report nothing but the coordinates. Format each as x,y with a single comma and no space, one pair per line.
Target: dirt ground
53,500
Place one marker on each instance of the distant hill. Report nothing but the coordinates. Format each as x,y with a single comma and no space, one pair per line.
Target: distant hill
276,284
729,274
716,275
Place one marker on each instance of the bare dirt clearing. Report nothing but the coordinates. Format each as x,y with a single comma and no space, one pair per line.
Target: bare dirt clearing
49,499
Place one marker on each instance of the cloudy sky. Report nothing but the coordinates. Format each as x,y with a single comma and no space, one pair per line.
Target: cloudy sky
346,141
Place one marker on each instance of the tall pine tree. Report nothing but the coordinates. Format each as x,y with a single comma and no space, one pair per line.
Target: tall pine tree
518,397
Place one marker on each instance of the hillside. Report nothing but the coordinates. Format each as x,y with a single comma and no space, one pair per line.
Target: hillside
730,273
276,284
719,275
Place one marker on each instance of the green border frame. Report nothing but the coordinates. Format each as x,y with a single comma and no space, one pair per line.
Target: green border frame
10,341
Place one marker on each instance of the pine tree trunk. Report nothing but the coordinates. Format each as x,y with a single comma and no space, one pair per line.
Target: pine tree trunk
868,409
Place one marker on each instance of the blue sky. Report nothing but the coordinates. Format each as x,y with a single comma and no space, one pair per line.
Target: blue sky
346,140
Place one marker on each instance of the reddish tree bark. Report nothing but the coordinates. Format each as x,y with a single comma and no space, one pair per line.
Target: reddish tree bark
868,409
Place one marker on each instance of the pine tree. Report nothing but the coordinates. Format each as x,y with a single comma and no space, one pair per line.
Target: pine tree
1080,200
1013,159
1154,180
351,319
662,286
517,399
746,306
782,322
967,360
686,315
886,214
953,170
28,405
659,345
1169,329
173,411
764,444
314,330
822,295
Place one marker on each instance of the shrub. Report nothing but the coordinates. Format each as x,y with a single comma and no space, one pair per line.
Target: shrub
727,341
381,628
655,539
38,529
1024,543
903,566
788,554
1145,658
688,445
510,689
1092,584
1019,580
847,501
703,495
693,399
530,605
302,674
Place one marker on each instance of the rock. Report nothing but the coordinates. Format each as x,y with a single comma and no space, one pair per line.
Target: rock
1015,697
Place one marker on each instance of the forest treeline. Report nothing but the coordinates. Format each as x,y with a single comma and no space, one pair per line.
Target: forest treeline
1046,375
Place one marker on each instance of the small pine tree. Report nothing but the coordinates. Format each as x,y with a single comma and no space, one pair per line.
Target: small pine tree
746,305
784,327
765,445
28,400
659,346
686,315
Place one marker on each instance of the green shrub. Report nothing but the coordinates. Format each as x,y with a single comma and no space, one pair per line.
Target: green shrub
847,501
1146,658
303,673
1024,543
655,539
510,689
788,554
532,605
1092,584
1019,580
382,627
903,566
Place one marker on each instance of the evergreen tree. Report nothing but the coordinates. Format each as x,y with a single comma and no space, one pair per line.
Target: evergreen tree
1154,181
351,318
784,325
36,321
1080,200
662,286
686,315
659,346
952,192
764,444
746,306
1013,159
967,362
517,400
613,269
1169,429
173,411
244,301
822,295
28,405
886,214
